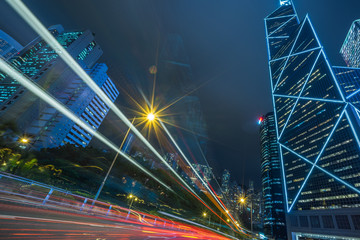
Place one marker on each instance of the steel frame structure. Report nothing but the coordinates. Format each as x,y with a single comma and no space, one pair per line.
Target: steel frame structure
347,106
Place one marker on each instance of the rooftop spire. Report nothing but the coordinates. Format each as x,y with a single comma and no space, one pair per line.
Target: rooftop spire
285,2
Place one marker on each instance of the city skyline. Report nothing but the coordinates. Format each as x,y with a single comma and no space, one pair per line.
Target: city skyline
181,118
231,154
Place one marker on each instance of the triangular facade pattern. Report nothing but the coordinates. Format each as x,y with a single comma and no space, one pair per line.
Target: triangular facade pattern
317,112
296,171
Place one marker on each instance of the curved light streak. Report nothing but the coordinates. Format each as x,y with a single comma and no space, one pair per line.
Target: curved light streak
197,224
194,170
191,166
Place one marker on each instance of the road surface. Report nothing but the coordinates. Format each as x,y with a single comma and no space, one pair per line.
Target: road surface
30,222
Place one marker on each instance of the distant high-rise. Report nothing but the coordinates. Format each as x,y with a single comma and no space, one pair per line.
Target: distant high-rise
251,189
317,128
173,160
204,170
8,45
44,124
234,198
272,193
350,49
225,182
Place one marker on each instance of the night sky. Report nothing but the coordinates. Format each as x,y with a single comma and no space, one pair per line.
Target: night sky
225,42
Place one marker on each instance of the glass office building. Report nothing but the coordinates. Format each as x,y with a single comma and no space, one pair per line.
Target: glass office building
317,126
350,49
44,124
225,182
272,193
8,45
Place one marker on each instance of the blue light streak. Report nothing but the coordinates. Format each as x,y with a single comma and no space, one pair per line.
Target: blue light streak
292,15
278,37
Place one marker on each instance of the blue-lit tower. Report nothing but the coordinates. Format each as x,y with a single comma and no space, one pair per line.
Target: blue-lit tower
47,127
8,45
272,192
317,128
225,182
350,49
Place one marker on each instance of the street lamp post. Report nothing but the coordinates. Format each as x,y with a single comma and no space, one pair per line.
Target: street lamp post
24,142
205,214
251,213
242,200
112,164
150,117
132,197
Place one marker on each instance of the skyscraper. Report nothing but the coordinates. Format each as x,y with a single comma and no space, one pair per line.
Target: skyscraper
225,182
317,128
235,193
46,126
173,160
204,171
8,45
350,49
273,199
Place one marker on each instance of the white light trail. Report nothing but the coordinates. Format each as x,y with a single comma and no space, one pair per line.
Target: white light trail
34,88
37,26
189,163
191,166
197,224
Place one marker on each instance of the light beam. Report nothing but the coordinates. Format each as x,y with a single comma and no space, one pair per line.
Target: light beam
34,88
37,26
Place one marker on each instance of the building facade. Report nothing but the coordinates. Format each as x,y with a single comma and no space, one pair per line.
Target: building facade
8,45
317,128
204,171
272,193
47,127
225,182
173,160
350,49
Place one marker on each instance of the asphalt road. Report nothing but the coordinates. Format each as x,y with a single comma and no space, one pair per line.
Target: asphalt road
30,222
